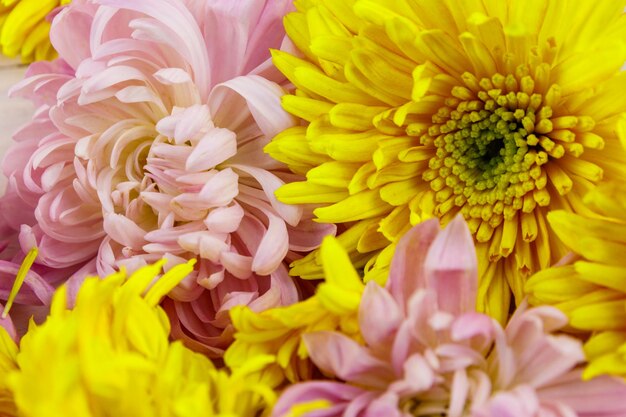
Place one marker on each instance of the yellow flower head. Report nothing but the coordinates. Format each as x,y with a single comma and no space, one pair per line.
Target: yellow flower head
592,290
110,355
24,28
278,331
8,353
502,110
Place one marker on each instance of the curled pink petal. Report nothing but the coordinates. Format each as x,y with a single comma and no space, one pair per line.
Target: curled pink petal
147,144
406,273
377,302
349,361
339,395
451,268
427,353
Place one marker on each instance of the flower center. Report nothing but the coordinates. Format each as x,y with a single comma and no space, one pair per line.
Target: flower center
491,143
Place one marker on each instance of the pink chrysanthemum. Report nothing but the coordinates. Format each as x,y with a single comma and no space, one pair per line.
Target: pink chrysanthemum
148,143
427,352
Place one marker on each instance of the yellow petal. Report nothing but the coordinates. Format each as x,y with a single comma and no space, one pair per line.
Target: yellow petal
309,193
363,205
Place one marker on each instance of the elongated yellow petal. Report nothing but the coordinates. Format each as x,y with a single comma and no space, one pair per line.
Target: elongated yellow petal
19,279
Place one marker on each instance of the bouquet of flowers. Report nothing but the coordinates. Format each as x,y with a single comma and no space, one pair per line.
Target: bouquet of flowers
315,208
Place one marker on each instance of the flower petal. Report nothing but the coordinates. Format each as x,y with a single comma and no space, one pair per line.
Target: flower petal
344,358
406,274
450,268
376,302
216,146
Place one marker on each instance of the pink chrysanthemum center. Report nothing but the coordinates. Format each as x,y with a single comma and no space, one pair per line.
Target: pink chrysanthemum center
148,144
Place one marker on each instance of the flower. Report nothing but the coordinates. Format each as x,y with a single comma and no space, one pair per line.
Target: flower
110,355
8,353
148,144
278,331
24,28
499,110
591,287
427,352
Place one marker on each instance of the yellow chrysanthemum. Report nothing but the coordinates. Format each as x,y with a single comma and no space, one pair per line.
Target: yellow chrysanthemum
277,332
501,110
8,353
24,28
592,290
110,355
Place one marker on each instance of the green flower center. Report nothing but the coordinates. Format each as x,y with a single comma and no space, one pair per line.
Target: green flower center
490,140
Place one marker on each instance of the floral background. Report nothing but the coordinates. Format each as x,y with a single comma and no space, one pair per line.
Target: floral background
313,208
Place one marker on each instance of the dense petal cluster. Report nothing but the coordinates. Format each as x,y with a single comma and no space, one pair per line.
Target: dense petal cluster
590,287
25,26
499,110
469,156
427,352
278,331
148,143
110,355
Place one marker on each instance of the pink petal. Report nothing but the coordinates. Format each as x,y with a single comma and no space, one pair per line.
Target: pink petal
557,355
337,394
386,405
267,32
418,376
406,274
205,244
187,37
226,39
521,402
474,327
224,219
35,291
308,235
238,265
212,149
376,302
70,34
344,358
97,88
270,183
262,98
124,231
185,124
57,254
273,247
222,188
451,268
172,76
601,396
8,325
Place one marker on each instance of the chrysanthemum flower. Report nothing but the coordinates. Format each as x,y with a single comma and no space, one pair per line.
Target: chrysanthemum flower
8,353
278,331
24,28
148,143
592,290
500,110
427,352
110,356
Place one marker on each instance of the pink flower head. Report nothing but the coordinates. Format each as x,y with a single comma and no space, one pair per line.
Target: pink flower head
148,143
426,351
